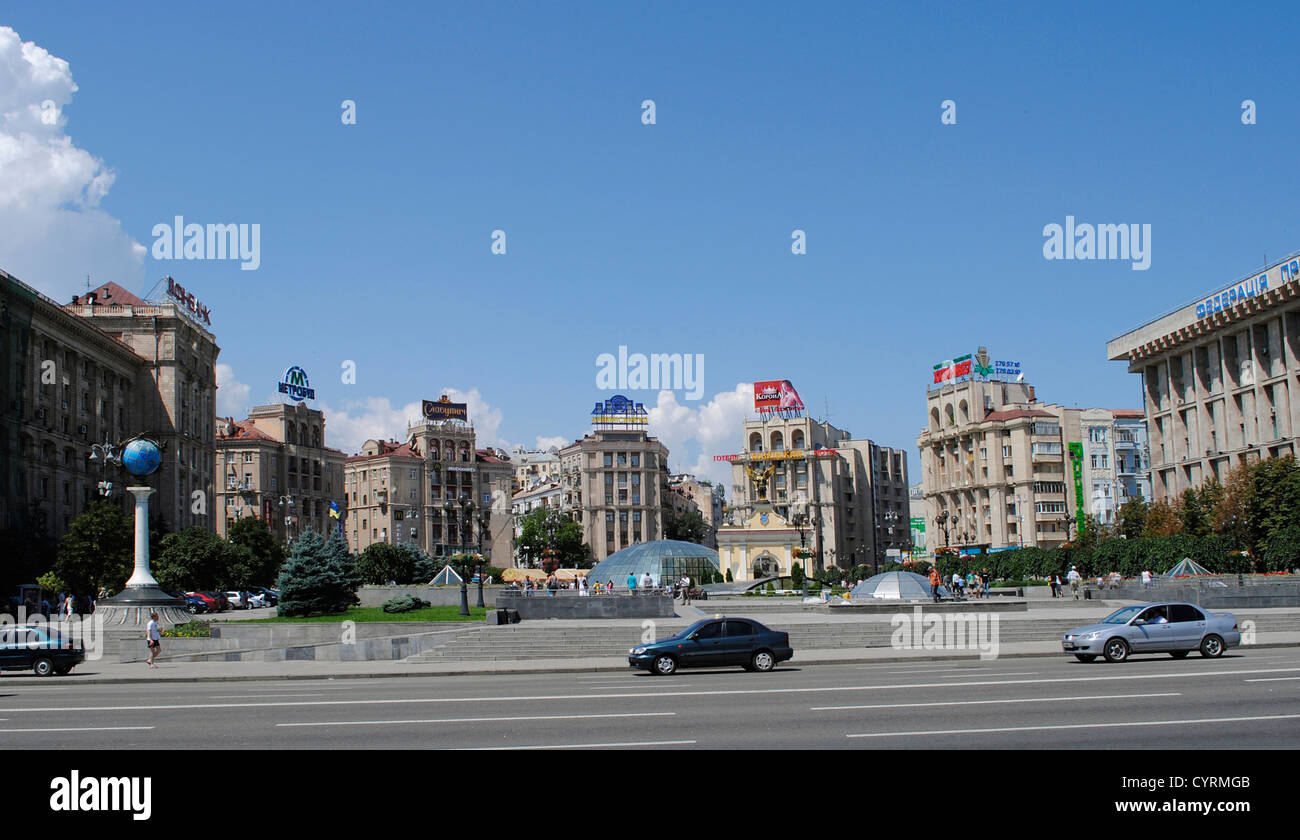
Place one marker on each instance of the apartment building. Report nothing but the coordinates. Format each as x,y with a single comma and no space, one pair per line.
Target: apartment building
613,483
275,465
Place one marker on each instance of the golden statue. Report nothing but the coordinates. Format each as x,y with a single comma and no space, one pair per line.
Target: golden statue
760,477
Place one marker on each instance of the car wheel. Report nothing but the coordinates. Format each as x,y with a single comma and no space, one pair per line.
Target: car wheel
1211,646
665,665
193,610
1116,650
43,667
763,661
1085,657
1178,654
63,670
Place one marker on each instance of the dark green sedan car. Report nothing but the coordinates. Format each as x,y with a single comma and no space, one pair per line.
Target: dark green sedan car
715,642
38,648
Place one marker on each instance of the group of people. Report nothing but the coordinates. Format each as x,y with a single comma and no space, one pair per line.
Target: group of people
65,605
1074,579
971,586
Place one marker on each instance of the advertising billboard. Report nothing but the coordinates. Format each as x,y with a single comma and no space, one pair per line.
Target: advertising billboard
776,395
444,409
295,385
952,369
619,412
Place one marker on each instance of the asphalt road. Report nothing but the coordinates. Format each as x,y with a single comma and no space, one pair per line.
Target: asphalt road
1242,700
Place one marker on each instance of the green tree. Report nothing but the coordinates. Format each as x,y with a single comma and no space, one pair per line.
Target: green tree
1132,518
1273,503
572,552
687,527
1282,550
98,549
262,565
196,558
318,578
796,576
381,563
1162,521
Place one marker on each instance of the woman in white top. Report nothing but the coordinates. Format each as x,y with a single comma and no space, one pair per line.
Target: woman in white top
153,638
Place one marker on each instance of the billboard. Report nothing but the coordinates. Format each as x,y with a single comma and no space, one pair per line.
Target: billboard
619,411
1076,461
952,369
781,455
444,409
296,386
776,396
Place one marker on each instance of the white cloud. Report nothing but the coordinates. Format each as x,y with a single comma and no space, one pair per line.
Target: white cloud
694,436
232,395
349,426
558,441
52,231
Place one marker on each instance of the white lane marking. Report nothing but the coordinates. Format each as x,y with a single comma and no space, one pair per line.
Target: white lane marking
75,729
720,693
1273,679
251,696
585,746
481,719
990,702
1127,723
936,670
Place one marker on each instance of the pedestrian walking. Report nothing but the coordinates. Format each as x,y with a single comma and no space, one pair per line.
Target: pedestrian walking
1146,579
686,589
1074,577
934,583
631,583
153,638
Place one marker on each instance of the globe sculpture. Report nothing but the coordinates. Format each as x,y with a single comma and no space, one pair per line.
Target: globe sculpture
141,457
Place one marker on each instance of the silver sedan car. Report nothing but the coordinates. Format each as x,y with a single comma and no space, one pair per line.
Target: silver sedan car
1172,628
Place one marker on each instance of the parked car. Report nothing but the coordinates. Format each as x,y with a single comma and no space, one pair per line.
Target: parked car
222,601
194,603
256,601
713,643
271,596
1173,628
212,604
40,649
236,600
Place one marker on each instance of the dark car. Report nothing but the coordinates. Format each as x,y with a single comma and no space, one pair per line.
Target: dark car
222,602
38,649
715,642
212,604
195,603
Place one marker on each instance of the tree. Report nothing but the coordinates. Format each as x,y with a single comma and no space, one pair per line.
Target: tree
1132,518
319,577
1232,516
98,549
796,576
1162,521
262,565
1282,550
571,551
381,563
688,527
1274,500
196,559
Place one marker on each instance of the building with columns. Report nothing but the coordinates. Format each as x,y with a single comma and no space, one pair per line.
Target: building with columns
1220,378
104,368
614,482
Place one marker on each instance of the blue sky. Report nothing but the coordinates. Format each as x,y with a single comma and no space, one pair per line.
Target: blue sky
924,240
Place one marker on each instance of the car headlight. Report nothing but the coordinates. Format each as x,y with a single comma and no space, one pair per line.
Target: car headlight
636,650
1093,636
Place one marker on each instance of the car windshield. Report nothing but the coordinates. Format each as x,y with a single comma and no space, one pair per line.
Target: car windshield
691,629
1123,616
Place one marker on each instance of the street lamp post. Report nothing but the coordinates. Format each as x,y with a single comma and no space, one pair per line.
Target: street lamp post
485,518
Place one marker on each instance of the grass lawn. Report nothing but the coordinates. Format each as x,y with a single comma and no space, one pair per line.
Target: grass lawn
369,614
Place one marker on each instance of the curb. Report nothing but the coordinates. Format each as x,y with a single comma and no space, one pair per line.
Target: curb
575,669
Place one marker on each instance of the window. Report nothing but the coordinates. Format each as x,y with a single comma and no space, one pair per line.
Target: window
739,628
609,459
710,631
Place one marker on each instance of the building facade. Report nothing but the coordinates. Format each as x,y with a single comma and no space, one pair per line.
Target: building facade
534,467
437,491
274,465
105,368
853,492
1220,379
707,498
1002,470
613,483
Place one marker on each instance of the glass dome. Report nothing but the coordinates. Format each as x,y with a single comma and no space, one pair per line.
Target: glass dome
896,586
665,561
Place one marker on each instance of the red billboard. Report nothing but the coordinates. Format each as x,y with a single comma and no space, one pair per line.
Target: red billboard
776,395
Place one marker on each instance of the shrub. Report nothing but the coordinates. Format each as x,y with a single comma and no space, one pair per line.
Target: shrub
770,589
319,578
729,580
189,630
405,603
796,576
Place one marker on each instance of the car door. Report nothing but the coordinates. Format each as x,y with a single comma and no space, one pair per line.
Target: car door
738,639
8,648
1187,626
704,648
1153,634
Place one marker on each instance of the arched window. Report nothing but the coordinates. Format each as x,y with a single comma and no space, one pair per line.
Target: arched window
796,439
755,442
965,412
951,420
778,442
934,419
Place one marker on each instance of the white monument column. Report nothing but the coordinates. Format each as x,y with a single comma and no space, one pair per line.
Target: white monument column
141,577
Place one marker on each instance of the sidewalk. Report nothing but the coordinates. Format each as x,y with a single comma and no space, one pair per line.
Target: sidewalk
107,673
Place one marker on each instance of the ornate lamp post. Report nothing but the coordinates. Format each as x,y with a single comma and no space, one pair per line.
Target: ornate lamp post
484,519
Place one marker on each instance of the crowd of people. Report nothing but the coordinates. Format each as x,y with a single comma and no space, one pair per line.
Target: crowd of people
63,606
644,584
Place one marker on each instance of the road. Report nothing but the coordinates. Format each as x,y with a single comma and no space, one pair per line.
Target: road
1246,699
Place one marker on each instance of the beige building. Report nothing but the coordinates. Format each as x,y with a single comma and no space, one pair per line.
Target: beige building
534,467
412,492
1220,379
705,496
853,492
274,465
613,482
997,469
104,368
